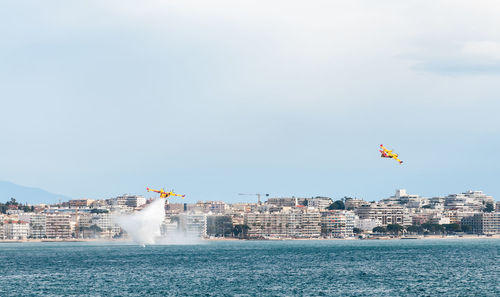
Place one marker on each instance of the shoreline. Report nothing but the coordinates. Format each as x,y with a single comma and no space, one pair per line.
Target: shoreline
416,237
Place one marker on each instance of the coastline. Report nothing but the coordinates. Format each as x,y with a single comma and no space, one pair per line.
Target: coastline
420,237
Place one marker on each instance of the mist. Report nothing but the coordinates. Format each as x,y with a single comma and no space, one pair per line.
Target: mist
143,226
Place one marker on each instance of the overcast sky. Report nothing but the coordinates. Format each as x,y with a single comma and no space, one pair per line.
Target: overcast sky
215,98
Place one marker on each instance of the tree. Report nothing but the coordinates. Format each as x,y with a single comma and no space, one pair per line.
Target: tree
95,228
27,208
306,202
240,230
394,228
418,229
339,204
12,202
433,228
489,207
379,229
452,227
466,228
357,231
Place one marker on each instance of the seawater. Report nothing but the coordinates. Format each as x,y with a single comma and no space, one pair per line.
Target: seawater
253,268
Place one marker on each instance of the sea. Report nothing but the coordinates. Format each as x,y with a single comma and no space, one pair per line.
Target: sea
460,267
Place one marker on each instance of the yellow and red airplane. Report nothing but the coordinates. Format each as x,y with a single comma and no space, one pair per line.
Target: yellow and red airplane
165,194
389,154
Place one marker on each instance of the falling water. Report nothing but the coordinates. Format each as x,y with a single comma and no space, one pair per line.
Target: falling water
144,226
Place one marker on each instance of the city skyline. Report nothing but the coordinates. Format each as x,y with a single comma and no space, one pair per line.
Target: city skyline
33,196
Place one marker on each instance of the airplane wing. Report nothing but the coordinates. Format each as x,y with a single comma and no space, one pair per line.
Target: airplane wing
384,149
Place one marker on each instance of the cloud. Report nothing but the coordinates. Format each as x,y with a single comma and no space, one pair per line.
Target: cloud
464,58
99,89
488,51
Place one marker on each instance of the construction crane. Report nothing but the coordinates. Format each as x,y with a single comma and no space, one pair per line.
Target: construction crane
258,196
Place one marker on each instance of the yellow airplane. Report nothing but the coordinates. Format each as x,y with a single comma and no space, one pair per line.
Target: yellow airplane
164,194
389,154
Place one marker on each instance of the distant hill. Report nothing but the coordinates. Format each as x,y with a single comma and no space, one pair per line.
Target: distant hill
27,194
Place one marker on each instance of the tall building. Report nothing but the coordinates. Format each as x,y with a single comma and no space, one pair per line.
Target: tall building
294,223
38,226
219,225
58,226
15,229
193,225
105,222
483,223
337,223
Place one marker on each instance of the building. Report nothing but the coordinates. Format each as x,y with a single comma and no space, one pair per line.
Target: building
352,203
456,215
219,225
286,202
132,201
439,219
38,226
366,224
80,203
293,223
483,223
174,207
192,225
385,214
408,200
105,223
319,202
15,229
468,201
214,207
58,226
337,223
126,201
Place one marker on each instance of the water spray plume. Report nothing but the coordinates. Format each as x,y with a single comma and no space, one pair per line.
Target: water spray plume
144,226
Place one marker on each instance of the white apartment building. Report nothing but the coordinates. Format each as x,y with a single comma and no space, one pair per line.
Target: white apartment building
106,223
214,207
366,224
408,200
58,226
38,226
319,202
193,224
468,201
337,223
15,229
293,223
385,214
352,203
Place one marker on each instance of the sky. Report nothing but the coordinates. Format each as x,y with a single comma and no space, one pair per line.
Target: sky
215,98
